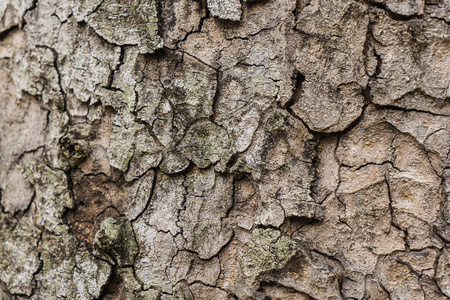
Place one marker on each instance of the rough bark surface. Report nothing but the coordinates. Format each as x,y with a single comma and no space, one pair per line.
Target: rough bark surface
225,149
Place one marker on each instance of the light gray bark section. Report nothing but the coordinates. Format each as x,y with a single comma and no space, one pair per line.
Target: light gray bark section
225,149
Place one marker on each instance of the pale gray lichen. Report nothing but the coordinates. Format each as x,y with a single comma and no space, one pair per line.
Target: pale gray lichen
36,75
19,258
125,22
225,9
90,275
85,63
69,270
156,249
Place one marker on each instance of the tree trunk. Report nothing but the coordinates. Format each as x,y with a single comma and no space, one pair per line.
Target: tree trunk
225,149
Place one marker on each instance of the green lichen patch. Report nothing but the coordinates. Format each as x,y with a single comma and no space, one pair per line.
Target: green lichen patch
116,239
150,294
197,86
267,251
52,194
206,143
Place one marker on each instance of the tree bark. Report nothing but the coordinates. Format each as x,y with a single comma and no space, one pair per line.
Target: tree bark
225,149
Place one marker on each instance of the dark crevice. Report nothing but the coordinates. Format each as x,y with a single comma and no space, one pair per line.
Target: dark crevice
232,161
136,102
215,104
436,230
293,114
2,208
313,152
379,65
113,71
299,6
262,226
112,207
330,257
250,4
29,152
8,31
406,110
411,269
70,184
159,18
297,92
233,198
388,162
111,286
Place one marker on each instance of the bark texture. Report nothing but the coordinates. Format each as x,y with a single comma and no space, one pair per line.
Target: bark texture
225,149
